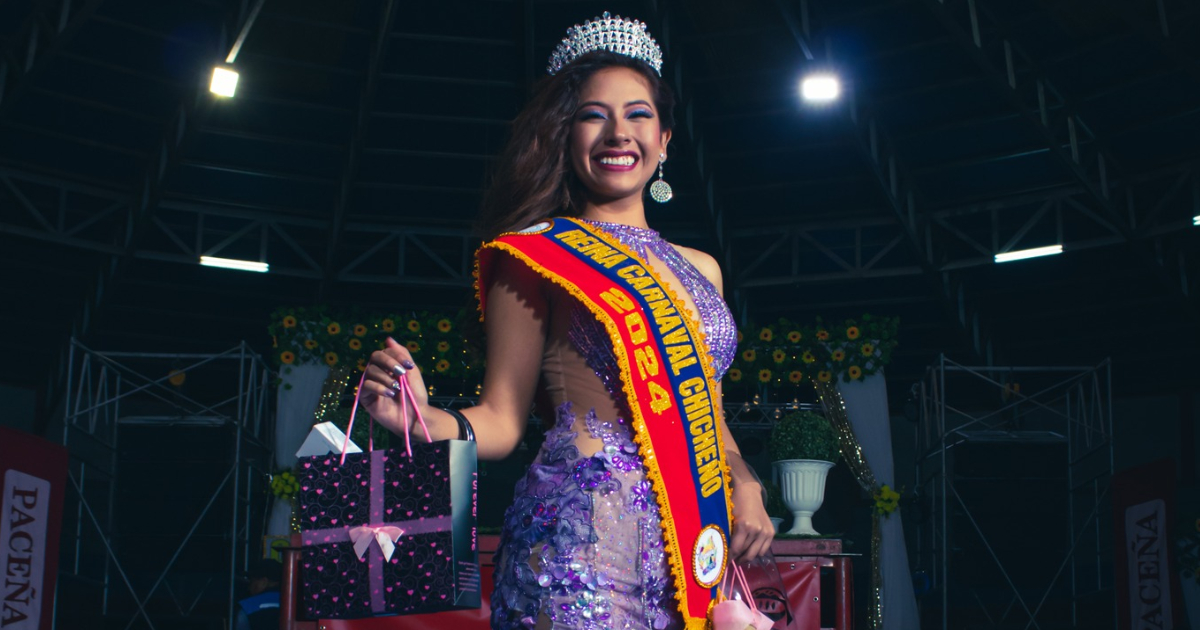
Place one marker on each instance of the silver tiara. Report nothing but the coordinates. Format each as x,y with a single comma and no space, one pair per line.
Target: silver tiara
614,34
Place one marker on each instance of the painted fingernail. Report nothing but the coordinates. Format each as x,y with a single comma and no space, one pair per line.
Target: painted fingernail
390,393
408,364
395,386
398,370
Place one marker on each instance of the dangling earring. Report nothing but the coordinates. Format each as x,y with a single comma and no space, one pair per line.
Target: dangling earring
660,190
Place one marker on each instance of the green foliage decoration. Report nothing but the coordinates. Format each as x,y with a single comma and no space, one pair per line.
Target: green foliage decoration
804,435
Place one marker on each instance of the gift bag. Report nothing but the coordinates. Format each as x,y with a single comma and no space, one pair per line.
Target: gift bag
389,531
737,608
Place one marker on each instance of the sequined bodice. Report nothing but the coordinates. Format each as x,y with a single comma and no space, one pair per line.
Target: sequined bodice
716,321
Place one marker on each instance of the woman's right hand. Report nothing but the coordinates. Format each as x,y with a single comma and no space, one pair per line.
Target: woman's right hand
381,398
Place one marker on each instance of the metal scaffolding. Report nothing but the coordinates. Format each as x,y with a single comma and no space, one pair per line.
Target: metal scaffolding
109,391
965,412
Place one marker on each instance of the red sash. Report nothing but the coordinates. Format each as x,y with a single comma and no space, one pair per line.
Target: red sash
668,380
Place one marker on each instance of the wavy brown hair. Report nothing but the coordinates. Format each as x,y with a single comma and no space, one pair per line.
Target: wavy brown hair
533,179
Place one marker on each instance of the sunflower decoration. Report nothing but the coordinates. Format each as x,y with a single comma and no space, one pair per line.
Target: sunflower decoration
795,377
414,325
735,375
444,325
764,376
287,358
388,325
310,344
824,376
413,347
360,330
828,347
443,346
331,358
289,321
442,366
334,328
355,344
284,485
362,365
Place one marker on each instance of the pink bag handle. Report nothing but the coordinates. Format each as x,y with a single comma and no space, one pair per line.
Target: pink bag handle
406,396
736,574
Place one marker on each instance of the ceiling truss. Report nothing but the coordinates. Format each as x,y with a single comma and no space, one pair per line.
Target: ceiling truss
898,188
1019,77
48,29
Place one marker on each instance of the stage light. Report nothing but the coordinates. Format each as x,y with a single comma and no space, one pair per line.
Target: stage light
820,88
1029,253
230,263
1196,220
224,81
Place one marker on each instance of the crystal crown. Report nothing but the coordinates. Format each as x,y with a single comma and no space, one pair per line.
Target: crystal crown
615,34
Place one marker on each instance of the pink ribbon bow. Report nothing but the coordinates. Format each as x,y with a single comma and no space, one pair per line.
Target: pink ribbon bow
386,535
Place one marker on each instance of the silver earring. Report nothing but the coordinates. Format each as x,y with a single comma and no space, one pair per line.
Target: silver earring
660,190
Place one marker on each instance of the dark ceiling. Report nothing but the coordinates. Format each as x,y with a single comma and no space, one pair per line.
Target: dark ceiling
356,149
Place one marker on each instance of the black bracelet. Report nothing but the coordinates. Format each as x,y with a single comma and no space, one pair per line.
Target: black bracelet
465,432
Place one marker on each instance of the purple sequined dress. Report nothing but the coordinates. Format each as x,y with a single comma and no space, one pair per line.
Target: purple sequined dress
582,543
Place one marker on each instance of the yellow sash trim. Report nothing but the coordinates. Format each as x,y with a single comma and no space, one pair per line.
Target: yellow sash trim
676,559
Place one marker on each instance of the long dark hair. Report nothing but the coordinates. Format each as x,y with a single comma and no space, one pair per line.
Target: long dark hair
534,179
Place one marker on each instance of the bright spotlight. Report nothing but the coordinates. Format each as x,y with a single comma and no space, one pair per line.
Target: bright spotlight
1196,220
224,81
231,263
1029,253
820,88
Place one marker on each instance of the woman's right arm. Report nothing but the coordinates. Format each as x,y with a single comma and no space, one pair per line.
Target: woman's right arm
516,324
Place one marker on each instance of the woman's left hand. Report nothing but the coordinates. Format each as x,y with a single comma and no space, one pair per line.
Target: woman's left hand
752,527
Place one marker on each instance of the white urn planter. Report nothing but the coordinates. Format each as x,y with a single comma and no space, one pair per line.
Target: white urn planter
803,484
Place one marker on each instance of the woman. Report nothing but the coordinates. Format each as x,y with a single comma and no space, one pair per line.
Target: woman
623,518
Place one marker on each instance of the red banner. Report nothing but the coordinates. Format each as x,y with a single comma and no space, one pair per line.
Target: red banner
1147,585
34,479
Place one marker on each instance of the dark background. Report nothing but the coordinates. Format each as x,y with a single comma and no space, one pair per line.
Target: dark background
355,152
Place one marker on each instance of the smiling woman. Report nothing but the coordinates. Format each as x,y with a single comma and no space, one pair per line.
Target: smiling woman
616,129
639,496
537,175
